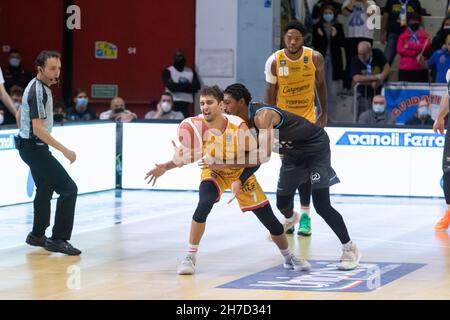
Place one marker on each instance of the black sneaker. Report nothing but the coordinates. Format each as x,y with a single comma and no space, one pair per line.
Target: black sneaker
61,246
32,240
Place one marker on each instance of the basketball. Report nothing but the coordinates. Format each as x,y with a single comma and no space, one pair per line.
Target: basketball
191,132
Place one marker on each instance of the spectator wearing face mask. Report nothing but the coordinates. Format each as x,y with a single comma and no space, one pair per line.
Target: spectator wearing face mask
58,112
6,100
15,74
439,61
370,69
16,94
80,110
412,44
164,109
378,113
328,38
422,116
181,82
118,112
441,36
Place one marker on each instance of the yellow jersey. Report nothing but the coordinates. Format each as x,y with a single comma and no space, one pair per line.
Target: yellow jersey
296,80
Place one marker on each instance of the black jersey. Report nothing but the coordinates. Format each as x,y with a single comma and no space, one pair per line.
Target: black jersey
295,133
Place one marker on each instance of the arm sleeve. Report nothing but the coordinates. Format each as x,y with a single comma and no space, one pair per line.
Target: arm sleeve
247,173
270,78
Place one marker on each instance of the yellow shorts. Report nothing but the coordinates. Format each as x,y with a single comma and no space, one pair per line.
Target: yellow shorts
250,197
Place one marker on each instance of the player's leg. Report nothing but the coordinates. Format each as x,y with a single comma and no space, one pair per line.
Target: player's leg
321,201
444,222
304,226
253,198
209,192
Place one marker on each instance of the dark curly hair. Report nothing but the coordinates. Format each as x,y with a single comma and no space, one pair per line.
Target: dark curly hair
239,91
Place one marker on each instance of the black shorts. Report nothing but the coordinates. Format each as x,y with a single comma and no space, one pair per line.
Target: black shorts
446,156
299,168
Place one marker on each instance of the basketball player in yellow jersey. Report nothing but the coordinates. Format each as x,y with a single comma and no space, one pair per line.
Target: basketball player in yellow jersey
221,141
292,74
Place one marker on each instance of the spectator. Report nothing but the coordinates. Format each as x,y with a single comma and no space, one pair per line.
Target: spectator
439,39
118,112
58,112
5,98
16,94
378,113
394,22
317,9
370,69
164,109
15,75
357,12
422,116
181,82
80,110
439,61
328,38
412,44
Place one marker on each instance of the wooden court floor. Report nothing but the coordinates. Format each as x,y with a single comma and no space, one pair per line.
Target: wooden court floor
132,242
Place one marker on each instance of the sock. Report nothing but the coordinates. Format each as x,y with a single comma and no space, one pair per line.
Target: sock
348,245
305,210
192,250
291,218
286,254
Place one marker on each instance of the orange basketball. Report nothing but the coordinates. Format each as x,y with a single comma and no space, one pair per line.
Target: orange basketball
191,132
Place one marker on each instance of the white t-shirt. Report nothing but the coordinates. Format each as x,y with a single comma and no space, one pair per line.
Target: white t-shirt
2,80
357,21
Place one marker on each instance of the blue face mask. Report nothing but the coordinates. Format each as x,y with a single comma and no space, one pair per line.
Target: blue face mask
328,17
422,112
82,102
378,108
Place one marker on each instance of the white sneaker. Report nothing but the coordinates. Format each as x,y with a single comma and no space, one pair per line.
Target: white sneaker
287,224
350,258
187,266
297,264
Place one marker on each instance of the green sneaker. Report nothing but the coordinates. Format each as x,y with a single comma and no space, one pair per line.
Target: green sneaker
304,226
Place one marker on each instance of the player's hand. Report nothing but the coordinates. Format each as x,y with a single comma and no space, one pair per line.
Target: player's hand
235,188
439,125
70,155
155,173
322,120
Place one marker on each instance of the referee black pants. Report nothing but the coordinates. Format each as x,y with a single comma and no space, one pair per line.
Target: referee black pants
49,176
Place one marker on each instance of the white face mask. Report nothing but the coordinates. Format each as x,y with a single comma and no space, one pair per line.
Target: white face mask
422,111
378,107
166,107
1,118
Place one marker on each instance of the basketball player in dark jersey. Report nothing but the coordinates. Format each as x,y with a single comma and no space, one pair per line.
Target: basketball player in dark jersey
306,155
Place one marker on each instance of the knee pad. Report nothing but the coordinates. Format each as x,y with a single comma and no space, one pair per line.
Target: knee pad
203,209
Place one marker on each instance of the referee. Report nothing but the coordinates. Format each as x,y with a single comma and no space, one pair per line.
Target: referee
33,141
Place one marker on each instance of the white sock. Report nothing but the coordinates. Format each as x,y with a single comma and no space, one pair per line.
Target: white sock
292,218
286,254
192,250
305,210
347,245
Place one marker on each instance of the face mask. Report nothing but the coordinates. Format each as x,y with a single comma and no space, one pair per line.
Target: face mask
378,108
1,118
446,28
422,112
58,117
166,107
179,62
328,17
17,105
119,110
14,62
81,105
414,26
